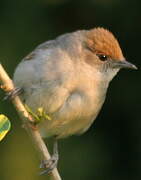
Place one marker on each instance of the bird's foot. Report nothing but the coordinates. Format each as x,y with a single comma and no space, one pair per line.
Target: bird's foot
49,165
11,94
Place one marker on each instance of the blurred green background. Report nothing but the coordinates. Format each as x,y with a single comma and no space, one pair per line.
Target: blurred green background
111,149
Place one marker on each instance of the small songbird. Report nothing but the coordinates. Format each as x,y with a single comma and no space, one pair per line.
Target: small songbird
68,77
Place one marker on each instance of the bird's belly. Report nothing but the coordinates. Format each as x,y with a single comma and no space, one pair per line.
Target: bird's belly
74,117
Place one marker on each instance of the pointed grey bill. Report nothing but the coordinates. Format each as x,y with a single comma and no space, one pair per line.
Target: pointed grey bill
124,64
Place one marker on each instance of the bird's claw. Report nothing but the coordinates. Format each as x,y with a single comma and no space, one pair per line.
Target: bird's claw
12,94
49,165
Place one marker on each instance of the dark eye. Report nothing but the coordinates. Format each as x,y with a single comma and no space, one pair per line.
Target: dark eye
102,57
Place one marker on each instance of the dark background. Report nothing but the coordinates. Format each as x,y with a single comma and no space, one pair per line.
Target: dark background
111,149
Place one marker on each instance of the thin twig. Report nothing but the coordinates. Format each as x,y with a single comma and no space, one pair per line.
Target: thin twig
8,86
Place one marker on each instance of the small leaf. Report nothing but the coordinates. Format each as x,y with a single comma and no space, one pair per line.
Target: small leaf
42,114
5,126
39,115
32,113
47,117
40,111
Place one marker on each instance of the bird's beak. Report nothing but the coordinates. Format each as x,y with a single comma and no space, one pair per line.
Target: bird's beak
124,64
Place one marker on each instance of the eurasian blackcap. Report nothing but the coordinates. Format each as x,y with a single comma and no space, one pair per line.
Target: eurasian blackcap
68,77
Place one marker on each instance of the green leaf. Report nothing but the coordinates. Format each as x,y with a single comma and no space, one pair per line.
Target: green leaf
32,113
39,115
42,115
5,126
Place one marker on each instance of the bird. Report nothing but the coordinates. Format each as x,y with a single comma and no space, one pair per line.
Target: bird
68,77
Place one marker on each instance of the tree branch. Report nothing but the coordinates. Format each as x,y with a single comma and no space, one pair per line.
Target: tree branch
8,86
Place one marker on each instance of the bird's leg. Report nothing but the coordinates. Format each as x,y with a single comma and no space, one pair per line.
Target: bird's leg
50,164
12,94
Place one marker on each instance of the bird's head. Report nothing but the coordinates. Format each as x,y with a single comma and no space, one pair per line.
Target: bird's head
104,52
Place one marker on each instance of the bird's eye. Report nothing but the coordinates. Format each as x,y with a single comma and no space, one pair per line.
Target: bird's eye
102,57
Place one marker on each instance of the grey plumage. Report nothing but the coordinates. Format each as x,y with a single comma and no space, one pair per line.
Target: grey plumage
67,80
